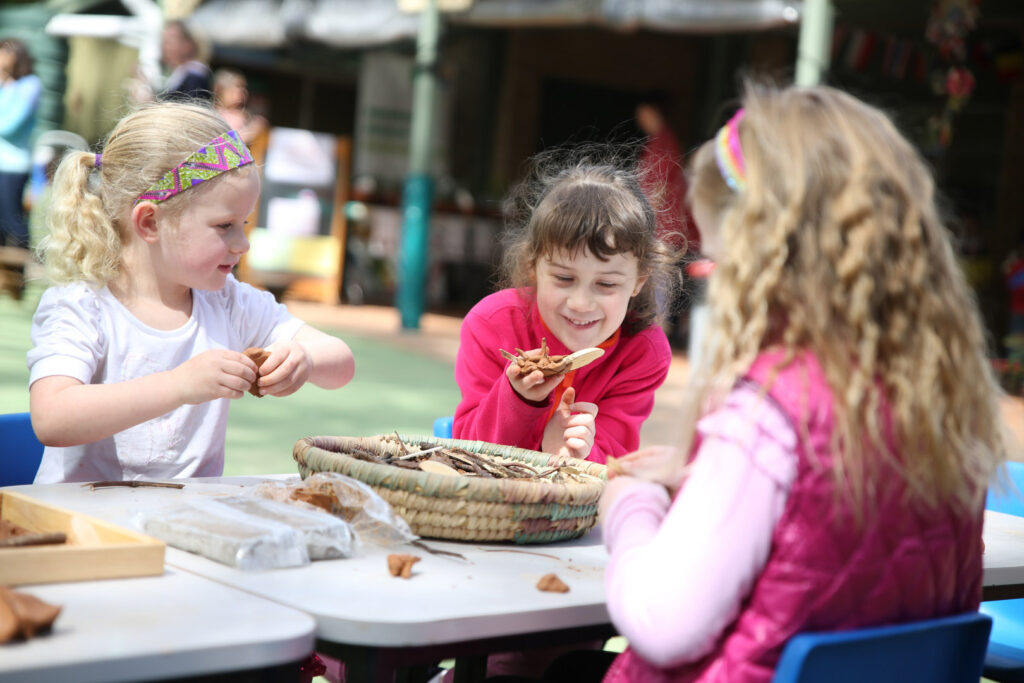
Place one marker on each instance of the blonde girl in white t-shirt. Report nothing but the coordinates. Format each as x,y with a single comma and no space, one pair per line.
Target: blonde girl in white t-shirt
139,344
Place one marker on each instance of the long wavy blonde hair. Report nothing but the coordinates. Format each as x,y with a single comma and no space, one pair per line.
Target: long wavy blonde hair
87,218
837,247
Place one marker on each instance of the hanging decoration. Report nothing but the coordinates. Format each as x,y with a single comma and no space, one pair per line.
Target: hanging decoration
949,23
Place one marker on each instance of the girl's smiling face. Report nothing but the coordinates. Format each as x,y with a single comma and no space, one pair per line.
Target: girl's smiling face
583,299
210,236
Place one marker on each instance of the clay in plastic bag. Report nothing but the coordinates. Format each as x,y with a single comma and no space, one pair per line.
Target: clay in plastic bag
217,531
373,519
326,536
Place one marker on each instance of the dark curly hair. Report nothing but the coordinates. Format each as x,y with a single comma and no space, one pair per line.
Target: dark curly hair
588,199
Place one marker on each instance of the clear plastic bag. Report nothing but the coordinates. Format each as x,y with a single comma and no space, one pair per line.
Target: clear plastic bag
326,536
221,533
373,519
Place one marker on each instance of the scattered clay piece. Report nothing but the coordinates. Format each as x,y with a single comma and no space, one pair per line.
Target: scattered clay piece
552,584
259,356
320,500
401,565
23,615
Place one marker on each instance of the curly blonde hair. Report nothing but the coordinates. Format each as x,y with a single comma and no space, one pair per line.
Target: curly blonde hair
88,219
587,199
837,247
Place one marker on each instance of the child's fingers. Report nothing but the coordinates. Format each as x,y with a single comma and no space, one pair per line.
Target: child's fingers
584,407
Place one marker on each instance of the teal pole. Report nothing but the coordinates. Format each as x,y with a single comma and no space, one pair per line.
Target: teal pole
419,186
814,48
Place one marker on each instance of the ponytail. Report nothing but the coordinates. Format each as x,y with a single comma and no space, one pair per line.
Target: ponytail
83,243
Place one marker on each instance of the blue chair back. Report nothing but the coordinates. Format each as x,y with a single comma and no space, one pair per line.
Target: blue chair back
443,427
20,450
943,650
1010,501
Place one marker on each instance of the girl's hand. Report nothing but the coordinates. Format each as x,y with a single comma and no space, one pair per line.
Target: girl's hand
217,373
572,428
661,464
612,491
286,370
533,386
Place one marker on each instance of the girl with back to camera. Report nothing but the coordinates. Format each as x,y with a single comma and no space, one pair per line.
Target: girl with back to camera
139,344
846,426
581,270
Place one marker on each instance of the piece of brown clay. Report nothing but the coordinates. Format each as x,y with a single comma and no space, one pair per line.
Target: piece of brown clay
29,615
547,364
258,357
401,565
552,584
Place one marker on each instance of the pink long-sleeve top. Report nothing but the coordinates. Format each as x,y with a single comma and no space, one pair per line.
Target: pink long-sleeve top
621,382
679,570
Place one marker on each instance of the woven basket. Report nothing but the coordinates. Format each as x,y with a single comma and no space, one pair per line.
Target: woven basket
465,508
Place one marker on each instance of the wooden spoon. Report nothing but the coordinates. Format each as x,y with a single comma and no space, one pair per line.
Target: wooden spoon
435,467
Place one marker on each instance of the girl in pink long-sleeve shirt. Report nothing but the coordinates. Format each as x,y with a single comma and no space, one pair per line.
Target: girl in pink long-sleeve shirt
845,426
582,270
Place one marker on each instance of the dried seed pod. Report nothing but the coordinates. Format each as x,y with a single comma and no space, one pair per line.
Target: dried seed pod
258,356
401,565
552,584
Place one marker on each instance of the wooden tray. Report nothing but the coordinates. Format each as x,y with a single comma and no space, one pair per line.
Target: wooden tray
94,550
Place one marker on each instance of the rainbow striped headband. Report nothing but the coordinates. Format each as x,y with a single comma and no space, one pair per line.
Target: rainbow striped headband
221,154
729,154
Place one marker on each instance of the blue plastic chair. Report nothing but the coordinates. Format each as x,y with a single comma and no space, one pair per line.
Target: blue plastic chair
443,427
1005,659
943,650
21,451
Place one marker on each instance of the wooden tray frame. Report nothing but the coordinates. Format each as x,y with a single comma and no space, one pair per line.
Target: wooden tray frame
95,549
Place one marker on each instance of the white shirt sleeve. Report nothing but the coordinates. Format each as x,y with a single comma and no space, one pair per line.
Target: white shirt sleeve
67,337
679,573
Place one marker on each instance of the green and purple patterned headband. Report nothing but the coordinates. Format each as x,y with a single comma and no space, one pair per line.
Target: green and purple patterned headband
224,153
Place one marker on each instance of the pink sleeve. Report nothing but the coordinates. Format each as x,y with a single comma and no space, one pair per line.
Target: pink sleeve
630,400
490,409
678,573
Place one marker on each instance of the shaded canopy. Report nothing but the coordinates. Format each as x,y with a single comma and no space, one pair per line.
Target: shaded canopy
364,23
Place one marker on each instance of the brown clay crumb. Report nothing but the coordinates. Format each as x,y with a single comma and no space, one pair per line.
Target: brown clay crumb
401,565
552,584
259,356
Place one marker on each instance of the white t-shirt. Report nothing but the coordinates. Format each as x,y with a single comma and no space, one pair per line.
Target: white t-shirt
84,332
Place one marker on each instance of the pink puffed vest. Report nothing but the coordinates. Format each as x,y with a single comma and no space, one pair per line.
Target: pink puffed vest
824,572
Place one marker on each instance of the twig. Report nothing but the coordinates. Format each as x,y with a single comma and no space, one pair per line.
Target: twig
34,539
434,551
134,484
512,550
417,453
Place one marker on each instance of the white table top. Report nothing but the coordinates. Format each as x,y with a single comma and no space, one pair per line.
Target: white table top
357,602
155,627
1004,549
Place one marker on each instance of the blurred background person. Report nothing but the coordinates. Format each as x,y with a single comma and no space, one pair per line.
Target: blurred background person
231,97
20,91
189,77
660,171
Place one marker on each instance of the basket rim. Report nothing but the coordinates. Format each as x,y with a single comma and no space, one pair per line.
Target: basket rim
419,482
